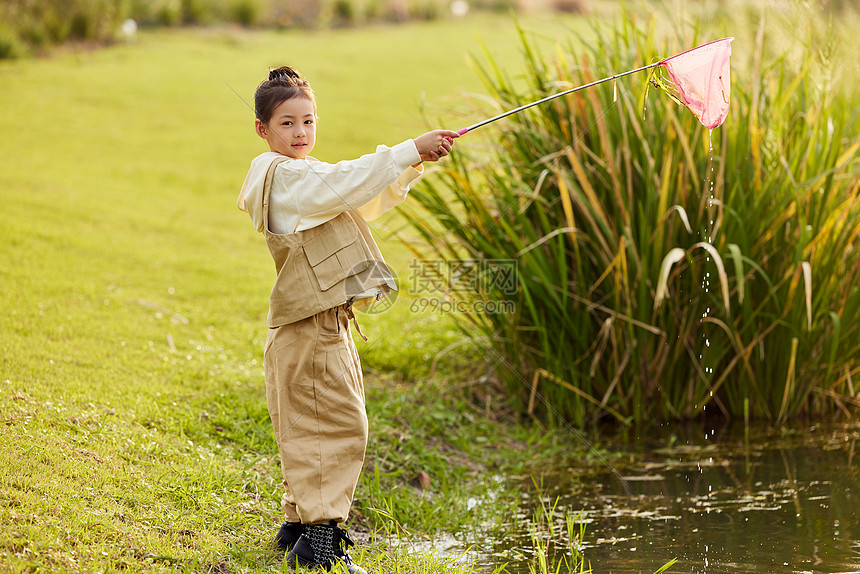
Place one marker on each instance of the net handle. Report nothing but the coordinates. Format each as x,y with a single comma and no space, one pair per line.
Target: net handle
576,89
554,96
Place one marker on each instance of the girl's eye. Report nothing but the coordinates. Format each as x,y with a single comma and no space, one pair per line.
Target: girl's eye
287,123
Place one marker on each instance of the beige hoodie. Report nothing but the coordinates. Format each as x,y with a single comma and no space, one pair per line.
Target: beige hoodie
307,192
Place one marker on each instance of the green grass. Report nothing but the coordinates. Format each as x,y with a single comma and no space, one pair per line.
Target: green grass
133,427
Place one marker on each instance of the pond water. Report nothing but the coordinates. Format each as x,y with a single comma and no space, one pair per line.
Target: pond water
717,500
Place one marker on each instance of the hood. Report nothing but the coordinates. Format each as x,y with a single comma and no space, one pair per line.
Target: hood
251,197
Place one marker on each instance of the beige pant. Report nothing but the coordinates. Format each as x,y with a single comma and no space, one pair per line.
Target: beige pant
315,395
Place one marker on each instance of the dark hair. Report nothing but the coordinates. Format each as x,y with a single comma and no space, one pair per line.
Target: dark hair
284,84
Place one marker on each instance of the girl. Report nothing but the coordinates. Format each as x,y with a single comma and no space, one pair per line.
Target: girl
312,215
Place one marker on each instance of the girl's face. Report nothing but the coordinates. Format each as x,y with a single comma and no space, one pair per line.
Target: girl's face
292,129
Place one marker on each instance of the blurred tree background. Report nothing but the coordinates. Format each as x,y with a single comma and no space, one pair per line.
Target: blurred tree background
31,27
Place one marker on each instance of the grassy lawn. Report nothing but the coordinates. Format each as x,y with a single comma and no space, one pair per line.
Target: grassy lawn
134,429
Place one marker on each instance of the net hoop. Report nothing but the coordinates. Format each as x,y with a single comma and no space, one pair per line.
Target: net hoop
702,77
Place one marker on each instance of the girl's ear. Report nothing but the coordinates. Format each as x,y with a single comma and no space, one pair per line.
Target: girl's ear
261,129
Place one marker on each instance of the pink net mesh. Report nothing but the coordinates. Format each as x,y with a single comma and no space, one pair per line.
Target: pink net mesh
703,78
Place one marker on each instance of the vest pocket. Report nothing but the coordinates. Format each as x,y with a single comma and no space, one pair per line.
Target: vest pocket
335,255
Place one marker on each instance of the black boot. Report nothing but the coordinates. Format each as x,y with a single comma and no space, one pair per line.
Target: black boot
314,548
322,545
288,535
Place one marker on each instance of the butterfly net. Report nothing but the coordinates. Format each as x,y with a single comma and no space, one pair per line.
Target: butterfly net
701,79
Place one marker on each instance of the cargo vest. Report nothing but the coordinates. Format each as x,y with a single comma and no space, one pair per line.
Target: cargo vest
321,267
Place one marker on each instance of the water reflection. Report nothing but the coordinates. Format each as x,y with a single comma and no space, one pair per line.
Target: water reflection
775,501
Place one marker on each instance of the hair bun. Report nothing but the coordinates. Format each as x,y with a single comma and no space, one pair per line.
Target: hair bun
282,84
284,73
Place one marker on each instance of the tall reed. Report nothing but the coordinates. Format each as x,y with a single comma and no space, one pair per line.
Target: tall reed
658,278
